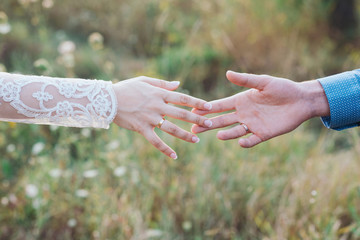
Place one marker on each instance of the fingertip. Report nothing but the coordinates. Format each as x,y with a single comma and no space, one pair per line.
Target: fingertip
174,85
207,106
195,139
243,142
194,129
229,72
208,123
173,156
220,135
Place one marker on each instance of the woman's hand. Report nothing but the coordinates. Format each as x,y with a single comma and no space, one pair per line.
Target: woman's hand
143,103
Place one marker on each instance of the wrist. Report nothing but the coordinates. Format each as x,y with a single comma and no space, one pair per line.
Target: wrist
315,99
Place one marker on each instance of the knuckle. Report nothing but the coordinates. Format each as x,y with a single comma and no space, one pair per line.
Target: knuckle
222,122
173,130
157,143
182,114
184,99
199,120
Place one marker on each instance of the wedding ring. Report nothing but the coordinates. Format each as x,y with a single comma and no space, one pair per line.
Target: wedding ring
245,127
160,123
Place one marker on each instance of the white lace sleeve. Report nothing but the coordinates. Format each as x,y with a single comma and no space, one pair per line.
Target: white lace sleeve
56,101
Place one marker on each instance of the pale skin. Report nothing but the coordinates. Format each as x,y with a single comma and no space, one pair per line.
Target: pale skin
143,102
271,107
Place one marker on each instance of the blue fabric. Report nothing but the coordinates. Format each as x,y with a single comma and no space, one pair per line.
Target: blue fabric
343,94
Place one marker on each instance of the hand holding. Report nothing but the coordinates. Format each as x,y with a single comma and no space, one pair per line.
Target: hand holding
143,103
273,106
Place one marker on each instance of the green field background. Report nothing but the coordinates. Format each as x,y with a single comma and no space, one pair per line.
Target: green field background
68,183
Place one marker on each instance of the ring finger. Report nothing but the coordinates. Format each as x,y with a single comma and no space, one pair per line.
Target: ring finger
232,133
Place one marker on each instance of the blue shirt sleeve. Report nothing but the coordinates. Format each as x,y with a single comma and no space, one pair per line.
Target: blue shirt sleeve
343,94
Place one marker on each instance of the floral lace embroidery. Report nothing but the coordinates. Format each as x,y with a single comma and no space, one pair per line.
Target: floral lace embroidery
83,103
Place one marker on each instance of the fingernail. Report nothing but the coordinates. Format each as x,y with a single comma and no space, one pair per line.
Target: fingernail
175,83
173,156
195,139
208,123
208,106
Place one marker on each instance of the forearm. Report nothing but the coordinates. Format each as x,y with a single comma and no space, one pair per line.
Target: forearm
56,101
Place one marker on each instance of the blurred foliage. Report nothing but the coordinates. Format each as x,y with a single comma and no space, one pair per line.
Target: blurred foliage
64,183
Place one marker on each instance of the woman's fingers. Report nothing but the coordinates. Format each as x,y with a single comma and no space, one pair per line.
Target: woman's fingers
221,105
154,139
162,83
185,115
186,100
178,132
217,122
232,133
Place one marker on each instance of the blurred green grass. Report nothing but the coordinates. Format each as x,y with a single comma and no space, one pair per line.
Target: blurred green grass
65,183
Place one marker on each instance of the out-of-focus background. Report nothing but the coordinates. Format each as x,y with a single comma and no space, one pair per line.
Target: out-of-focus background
65,183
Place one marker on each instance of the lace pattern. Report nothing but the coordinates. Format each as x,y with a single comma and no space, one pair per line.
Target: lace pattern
56,101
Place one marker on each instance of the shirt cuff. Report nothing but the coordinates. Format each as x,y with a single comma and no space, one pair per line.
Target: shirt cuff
343,94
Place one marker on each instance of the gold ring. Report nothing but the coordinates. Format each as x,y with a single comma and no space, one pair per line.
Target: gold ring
160,123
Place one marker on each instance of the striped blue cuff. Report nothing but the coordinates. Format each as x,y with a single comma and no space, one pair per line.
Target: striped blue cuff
343,94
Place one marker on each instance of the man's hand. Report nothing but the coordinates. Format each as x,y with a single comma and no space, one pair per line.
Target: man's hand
273,106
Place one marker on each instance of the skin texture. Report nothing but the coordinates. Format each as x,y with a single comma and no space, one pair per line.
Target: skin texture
272,107
143,102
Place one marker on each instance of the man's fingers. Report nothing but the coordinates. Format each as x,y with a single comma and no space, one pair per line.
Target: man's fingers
232,133
249,141
185,115
248,80
178,132
220,105
162,83
186,100
217,122
154,139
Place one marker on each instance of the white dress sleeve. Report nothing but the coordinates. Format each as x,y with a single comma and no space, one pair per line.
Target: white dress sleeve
57,101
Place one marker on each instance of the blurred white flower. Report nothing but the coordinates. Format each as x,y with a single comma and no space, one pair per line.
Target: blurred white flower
5,28
3,17
48,3
313,193
10,148
82,193
55,173
71,222
13,198
90,173
113,145
120,171
96,41
66,47
42,65
86,132
37,203
187,225
4,201
54,127
37,148
31,190
150,233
